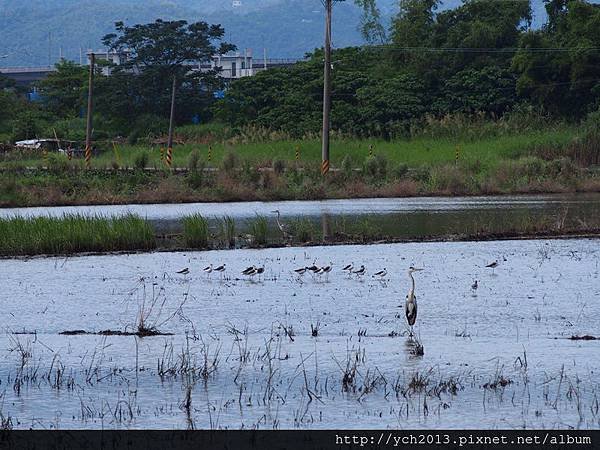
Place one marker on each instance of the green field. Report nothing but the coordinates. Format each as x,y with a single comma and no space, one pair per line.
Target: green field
544,161
487,151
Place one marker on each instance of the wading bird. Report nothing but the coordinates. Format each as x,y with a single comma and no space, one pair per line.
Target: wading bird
184,271
249,271
381,274
260,271
208,270
301,271
327,269
360,272
493,265
282,226
348,268
410,308
475,285
220,269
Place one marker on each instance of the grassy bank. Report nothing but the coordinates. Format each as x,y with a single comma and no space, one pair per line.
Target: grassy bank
74,234
542,161
488,150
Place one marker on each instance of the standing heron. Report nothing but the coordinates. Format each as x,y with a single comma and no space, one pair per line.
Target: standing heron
282,226
410,308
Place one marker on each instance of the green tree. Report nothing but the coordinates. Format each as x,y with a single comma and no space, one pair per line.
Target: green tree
558,67
159,51
64,90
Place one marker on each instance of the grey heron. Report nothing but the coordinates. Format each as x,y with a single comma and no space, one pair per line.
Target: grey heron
410,308
282,226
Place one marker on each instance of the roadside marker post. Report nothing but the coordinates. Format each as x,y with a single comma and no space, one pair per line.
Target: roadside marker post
90,106
457,154
169,156
325,167
209,153
297,153
370,150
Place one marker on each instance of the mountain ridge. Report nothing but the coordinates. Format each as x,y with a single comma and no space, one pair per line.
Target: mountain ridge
37,34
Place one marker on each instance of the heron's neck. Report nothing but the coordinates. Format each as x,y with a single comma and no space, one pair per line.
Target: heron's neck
413,282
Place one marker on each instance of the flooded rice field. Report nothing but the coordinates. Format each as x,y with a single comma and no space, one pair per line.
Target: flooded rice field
402,218
314,351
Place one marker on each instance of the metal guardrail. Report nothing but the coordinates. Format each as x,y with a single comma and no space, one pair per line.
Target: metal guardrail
26,69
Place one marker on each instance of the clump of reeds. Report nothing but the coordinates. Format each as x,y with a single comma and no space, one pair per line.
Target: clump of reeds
74,233
228,231
303,230
259,229
195,231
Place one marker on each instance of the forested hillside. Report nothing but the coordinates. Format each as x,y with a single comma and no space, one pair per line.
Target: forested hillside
33,32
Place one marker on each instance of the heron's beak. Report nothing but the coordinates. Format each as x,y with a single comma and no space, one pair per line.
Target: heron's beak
418,270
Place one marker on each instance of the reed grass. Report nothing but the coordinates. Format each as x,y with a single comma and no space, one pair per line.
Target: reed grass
303,230
228,231
74,233
259,229
195,231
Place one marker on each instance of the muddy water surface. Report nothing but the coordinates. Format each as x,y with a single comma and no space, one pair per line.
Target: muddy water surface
498,356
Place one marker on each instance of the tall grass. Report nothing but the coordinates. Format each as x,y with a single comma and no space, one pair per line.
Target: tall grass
73,233
228,231
195,231
259,229
303,230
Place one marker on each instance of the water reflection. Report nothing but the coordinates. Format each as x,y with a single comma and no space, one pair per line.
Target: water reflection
404,218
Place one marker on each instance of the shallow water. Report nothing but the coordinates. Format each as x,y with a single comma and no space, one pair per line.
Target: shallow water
406,218
512,330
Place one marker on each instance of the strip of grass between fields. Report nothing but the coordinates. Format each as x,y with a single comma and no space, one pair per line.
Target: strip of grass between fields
74,233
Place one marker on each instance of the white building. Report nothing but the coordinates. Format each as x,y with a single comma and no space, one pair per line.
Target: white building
232,65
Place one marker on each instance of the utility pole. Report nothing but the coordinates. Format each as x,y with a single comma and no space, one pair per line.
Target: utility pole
49,49
326,88
171,124
90,105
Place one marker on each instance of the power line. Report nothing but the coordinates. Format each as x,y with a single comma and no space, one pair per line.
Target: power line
479,49
511,88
